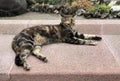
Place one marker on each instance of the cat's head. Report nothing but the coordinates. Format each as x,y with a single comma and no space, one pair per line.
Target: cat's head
68,16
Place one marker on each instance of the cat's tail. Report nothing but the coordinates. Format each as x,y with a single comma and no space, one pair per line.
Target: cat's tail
16,49
18,60
15,46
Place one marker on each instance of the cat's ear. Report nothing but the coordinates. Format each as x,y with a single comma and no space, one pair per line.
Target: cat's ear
74,14
75,9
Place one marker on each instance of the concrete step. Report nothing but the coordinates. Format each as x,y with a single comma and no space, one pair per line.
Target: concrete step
106,27
66,62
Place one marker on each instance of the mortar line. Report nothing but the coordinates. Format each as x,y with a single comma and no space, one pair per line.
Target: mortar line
11,67
109,46
112,51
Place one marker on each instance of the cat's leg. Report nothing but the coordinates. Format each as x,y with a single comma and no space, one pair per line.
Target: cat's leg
79,41
88,36
20,59
36,52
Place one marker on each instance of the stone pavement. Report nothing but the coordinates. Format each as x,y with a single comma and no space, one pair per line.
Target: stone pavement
35,16
43,16
66,62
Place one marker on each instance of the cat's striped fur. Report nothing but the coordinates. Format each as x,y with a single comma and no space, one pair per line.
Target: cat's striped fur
30,40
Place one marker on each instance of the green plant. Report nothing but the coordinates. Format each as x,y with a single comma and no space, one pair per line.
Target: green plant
101,7
70,2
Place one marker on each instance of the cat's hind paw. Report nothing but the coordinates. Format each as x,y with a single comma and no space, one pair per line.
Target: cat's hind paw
26,67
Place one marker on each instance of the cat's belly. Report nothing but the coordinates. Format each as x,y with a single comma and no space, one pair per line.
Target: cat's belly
43,40
40,40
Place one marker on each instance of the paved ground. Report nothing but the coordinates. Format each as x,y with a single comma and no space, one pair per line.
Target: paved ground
35,16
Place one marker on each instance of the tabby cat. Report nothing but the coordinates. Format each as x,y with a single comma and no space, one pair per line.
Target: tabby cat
30,40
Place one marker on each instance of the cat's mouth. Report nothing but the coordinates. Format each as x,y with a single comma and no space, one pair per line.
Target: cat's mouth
72,24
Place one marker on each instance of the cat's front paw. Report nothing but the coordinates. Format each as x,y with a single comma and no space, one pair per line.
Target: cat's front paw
97,38
44,59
